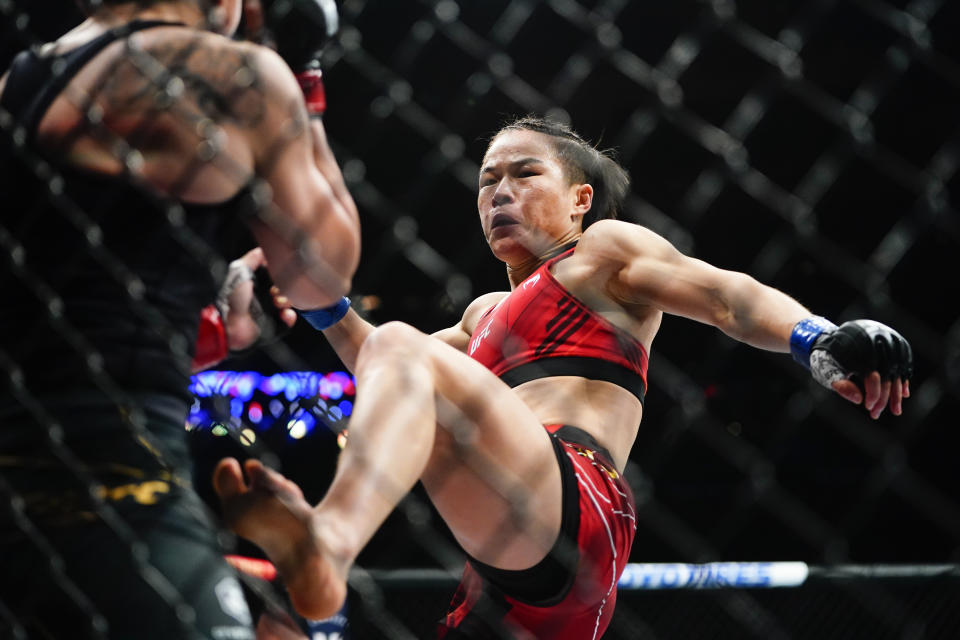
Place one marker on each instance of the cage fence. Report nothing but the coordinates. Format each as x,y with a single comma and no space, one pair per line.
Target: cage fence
811,144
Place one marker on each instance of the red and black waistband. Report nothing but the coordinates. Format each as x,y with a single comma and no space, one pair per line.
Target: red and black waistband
584,367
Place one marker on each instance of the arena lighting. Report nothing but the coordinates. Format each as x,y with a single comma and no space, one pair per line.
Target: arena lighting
243,384
298,401
300,424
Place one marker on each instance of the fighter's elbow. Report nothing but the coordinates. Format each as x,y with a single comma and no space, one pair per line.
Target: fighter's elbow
330,267
733,304
346,249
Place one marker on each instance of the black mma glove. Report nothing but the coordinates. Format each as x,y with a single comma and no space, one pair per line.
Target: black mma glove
854,349
300,30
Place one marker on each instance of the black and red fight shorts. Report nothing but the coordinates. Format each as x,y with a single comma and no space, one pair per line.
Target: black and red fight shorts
572,592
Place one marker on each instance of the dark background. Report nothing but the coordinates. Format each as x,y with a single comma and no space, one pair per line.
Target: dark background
813,144
834,181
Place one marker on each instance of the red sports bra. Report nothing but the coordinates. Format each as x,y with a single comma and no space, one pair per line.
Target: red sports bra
541,330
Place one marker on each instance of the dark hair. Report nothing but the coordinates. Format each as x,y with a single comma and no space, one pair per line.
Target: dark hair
582,163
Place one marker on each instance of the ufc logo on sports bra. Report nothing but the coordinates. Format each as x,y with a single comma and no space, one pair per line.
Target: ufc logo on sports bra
532,281
475,343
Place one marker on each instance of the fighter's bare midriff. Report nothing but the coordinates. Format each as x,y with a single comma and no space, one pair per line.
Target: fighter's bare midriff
606,411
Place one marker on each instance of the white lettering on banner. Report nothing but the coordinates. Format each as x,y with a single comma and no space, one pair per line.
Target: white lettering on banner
713,575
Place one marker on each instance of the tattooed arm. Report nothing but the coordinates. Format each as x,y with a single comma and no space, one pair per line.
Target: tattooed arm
197,116
311,236
310,232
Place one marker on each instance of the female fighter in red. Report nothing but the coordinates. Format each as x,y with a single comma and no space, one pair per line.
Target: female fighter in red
520,419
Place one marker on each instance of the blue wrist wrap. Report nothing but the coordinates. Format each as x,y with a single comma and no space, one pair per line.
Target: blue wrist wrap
804,334
325,318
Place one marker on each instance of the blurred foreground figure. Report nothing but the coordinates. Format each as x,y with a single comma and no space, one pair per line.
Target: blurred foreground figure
140,152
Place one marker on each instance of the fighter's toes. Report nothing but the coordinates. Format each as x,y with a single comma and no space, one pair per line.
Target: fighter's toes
228,479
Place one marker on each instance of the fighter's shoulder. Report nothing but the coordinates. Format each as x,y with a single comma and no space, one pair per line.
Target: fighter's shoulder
479,306
266,57
458,336
217,57
618,241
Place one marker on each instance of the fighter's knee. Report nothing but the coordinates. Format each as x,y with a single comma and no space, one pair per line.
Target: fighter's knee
393,338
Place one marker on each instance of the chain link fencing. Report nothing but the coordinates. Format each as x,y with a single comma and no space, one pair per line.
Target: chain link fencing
811,144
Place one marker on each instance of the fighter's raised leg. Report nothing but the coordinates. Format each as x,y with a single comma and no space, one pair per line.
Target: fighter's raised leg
424,410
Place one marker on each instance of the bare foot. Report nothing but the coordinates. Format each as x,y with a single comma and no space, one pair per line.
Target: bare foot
272,513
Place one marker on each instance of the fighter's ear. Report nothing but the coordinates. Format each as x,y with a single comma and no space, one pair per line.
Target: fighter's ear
583,199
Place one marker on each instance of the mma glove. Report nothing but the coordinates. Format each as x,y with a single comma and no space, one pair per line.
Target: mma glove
213,343
852,350
301,29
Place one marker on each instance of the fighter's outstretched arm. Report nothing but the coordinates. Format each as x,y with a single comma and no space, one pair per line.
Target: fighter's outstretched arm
346,330
346,336
643,270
